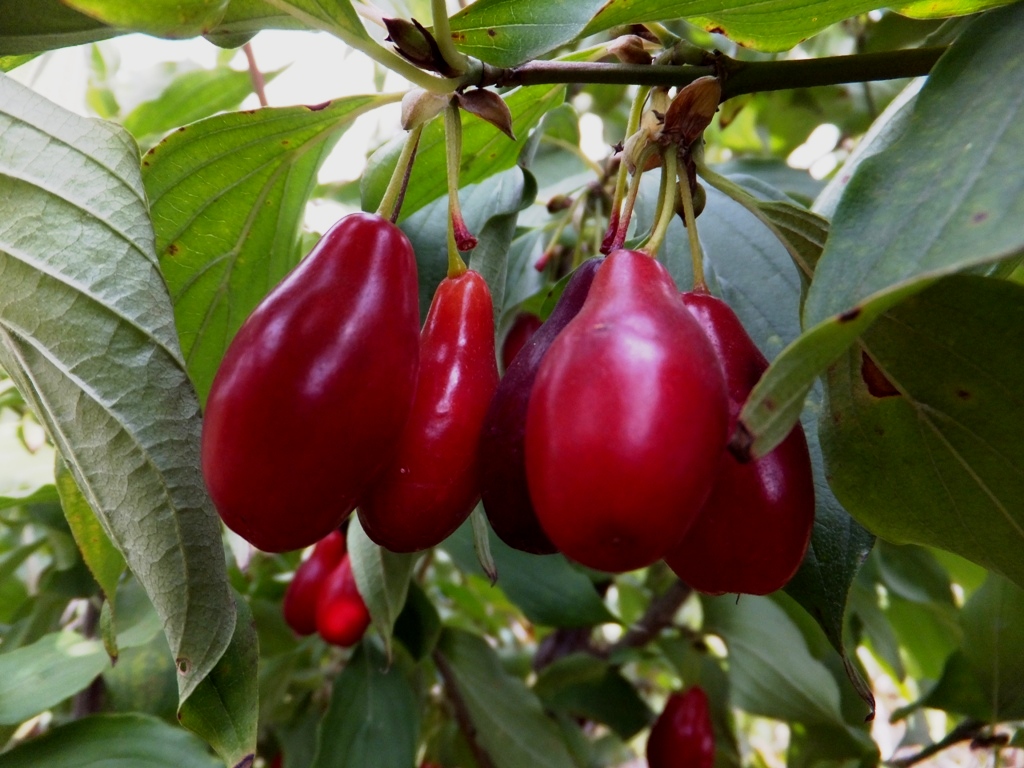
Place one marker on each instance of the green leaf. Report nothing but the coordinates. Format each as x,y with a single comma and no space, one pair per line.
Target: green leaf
227,220
372,718
87,334
940,199
485,151
509,723
930,9
7,63
507,34
25,478
771,671
224,706
418,626
382,578
546,588
41,25
38,676
137,740
584,686
190,97
162,18
775,25
245,18
922,439
104,559
335,16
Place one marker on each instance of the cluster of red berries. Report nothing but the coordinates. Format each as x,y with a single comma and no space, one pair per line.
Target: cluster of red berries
605,440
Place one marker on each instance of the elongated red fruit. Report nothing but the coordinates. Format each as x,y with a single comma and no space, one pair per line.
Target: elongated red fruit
301,596
682,736
752,533
505,493
313,392
433,482
626,422
341,615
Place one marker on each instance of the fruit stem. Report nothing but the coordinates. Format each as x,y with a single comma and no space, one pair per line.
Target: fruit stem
667,198
456,224
636,111
391,204
443,36
627,210
696,253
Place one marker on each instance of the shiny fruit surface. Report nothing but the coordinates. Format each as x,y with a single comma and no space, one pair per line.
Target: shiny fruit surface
432,483
502,444
682,736
315,388
626,422
753,531
523,327
341,615
301,596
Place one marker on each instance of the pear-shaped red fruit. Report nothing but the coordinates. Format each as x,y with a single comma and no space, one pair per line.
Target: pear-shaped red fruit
304,589
682,736
627,420
433,482
314,389
752,533
505,493
341,614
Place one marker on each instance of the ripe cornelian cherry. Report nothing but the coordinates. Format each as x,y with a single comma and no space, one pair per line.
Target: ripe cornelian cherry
626,422
523,327
505,493
341,614
682,736
314,390
432,483
753,531
304,589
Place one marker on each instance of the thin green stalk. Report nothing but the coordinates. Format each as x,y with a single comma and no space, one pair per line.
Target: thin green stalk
391,203
636,111
443,36
696,253
667,209
627,209
453,147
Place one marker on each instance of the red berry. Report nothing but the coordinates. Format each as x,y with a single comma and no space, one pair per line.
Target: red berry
301,597
314,390
682,736
523,327
432,483
627,420
341,614
502,456
752,533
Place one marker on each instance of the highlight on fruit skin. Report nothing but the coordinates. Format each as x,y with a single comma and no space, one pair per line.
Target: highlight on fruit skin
752,533
342,617
626,421
315,388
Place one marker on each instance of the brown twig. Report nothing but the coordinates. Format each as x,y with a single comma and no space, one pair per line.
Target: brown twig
965,731
658,616
259,82
462,716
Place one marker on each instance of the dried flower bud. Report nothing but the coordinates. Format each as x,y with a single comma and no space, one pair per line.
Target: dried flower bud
489,106
559,203
629,49
691,111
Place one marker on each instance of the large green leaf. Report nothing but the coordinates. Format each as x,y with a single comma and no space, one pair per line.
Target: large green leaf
485,151
941,9
372,718
382,578
30,26
922,440
224,707
87,334
546,588
506,33
509,723
227,195
164,18
139,741
336,16
946,196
